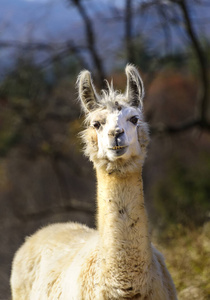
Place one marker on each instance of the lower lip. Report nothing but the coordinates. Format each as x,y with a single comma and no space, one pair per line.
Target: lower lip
119,151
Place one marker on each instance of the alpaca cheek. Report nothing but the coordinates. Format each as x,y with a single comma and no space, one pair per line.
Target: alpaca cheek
102,144
93,139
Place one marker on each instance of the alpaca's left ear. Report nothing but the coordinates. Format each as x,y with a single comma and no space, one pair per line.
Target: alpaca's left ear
135,87
87,93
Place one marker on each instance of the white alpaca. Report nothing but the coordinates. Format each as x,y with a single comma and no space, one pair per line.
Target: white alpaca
116,261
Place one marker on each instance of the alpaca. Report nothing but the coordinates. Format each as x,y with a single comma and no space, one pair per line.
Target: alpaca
116,261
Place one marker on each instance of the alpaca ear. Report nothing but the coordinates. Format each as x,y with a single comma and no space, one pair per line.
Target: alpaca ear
87,93
135,87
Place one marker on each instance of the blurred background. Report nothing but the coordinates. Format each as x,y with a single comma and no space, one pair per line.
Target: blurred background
44,177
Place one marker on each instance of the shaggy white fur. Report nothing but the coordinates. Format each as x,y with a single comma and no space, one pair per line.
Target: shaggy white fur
116,261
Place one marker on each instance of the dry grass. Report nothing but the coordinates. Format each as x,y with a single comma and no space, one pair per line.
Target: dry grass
187,254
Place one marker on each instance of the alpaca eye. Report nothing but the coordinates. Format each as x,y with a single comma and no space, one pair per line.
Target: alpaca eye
134,120
96,124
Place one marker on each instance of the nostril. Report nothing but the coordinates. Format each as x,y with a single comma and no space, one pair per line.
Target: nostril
119,131
116,132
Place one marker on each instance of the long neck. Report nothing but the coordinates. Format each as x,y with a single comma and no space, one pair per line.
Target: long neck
123,224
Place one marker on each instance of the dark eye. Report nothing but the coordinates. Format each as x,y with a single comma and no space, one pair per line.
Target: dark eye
134,120
96,124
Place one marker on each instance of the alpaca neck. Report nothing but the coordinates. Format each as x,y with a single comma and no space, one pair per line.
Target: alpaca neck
125,245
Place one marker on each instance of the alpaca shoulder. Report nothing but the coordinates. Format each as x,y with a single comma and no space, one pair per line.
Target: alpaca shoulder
45,255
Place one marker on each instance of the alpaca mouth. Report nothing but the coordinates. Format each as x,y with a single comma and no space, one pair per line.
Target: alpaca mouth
118,147
118,150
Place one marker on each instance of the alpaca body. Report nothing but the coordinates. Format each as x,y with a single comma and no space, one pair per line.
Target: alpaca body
117,261
71,261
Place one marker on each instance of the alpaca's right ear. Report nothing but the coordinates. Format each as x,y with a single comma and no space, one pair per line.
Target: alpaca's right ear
135,87
87,93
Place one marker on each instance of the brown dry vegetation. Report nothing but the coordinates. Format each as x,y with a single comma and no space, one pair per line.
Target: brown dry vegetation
187,253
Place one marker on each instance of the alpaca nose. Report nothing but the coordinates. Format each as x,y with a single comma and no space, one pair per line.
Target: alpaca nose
117,132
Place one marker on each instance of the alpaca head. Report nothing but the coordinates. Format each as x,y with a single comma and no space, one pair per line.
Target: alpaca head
116,136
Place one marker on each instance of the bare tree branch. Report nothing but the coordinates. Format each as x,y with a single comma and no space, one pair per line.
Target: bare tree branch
30,46
91,41
203,101
69,48
128,31
58,50
165,24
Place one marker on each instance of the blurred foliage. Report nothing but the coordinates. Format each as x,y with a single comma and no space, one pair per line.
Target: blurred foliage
183,196
26,80
151,61
192,62
173,61
31,97
142,56
67,67
18,93
186,61
9,134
